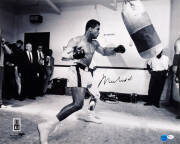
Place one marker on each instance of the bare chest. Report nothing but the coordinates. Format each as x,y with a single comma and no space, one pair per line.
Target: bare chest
89,48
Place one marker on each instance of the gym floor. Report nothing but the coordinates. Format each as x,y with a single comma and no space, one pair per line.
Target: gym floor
122,123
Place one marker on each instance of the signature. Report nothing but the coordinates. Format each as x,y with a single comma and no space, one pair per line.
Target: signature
106,79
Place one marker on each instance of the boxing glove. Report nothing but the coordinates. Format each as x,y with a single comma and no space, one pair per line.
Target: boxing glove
120,49
78,53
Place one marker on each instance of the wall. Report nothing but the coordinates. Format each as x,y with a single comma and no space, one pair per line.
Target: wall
7,23
113,32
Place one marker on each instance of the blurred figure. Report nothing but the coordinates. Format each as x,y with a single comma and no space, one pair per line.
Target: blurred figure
9,84
176,69
40,68
49,68
3,49
18,51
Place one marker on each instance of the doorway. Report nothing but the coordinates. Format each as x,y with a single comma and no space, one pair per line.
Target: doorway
38,38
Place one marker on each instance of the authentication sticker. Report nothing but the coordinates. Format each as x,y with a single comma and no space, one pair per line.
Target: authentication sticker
16,124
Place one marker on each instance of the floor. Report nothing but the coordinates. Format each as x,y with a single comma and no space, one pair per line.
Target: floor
122,123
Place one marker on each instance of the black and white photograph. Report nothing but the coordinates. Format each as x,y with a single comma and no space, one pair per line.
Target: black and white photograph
89,72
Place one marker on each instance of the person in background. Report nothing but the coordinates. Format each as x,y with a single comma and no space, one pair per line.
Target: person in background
9,82
40,68
28,73
49,68
3,49
176,69
158,68
18,51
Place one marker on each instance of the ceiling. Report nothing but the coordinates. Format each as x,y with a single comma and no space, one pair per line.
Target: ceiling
51,6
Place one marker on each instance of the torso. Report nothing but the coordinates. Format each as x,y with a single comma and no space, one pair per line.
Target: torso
159,64
89,48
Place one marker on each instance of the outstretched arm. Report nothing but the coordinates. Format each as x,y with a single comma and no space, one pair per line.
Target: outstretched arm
108,51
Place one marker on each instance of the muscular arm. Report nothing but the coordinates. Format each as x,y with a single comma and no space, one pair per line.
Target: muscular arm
108,51
105,51
7,49
68,52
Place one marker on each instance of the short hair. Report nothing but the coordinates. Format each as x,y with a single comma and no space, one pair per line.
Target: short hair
92,23
28,44
19,41
39,46
49,52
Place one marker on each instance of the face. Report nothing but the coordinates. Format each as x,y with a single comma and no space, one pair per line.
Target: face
95,31
19,45
29,47
40,48
3,40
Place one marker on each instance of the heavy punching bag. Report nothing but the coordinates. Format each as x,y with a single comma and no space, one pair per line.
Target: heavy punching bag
140,28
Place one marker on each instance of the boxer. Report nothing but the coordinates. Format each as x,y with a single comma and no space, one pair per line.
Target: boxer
80,50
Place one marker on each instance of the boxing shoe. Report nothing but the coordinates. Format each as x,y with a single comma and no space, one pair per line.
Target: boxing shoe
92,117
3,106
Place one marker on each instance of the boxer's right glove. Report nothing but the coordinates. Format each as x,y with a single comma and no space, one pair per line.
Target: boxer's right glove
78,53
120,49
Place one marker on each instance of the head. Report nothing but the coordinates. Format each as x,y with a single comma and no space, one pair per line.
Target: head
3,40
40,47
92,28
49,52
19,43
28,47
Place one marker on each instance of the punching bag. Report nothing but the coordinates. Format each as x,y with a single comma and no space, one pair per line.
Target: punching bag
140,28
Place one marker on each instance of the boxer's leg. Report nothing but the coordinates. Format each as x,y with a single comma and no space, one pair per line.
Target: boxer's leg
44,129
78,95
95,95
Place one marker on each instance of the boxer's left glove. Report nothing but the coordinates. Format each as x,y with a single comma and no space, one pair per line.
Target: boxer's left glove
78,53
120,49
